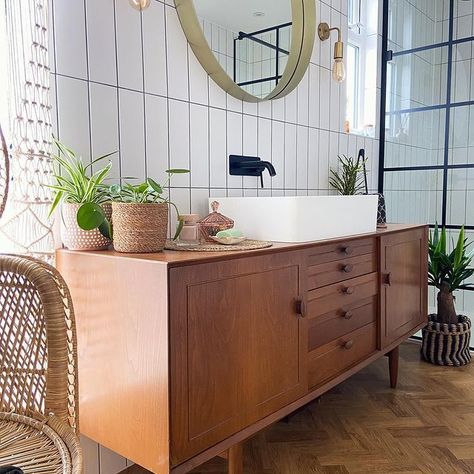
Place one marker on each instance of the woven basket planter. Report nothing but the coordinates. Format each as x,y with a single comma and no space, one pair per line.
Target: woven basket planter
75,238
446,344
139,228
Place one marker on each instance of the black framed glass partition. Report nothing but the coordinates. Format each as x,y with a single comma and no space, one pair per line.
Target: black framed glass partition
427,116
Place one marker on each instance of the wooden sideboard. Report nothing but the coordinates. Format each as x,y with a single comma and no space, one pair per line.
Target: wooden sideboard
184,355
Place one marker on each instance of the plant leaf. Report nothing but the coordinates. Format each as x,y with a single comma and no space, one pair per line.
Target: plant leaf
155,186
90,216
177,171
57,199
106,229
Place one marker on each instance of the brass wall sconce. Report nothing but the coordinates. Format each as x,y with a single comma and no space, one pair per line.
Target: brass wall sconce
139,4
338,69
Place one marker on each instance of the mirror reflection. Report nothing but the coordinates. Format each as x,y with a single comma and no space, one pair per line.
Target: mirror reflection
250,39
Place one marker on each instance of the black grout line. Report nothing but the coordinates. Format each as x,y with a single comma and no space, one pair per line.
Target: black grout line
88,81
119,134
145,140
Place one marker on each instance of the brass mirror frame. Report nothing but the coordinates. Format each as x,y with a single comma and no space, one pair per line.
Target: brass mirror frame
303,34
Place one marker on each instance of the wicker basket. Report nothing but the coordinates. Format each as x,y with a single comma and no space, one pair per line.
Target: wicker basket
446,344
75,238
139,228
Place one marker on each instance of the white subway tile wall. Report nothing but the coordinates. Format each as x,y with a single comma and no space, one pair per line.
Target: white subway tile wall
129,81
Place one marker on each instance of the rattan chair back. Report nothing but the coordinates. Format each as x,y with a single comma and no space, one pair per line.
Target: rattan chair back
38,368
4,172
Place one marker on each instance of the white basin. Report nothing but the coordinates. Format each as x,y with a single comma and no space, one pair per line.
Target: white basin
301,218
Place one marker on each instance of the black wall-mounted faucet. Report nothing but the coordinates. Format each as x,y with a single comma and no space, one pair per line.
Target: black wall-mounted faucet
249,166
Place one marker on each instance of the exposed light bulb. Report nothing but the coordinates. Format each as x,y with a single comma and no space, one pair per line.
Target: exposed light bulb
140,4
338,70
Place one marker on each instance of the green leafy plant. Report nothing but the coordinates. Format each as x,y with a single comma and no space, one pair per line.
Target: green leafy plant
75,182
448,270
348,178
91,215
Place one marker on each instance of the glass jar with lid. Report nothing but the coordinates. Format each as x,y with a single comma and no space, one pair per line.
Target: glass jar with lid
214,223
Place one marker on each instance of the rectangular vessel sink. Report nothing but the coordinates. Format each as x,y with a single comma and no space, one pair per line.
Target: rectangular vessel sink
301,218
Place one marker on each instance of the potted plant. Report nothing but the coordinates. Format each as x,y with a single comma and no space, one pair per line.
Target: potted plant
447,335
139,216
75,184
349,180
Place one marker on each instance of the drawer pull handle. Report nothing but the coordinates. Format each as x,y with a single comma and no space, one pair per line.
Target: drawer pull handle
348,315
347,268
388,279
301,309
348,290
348,344
345,249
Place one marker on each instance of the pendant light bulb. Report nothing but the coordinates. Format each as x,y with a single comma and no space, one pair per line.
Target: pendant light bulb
140,4
338,70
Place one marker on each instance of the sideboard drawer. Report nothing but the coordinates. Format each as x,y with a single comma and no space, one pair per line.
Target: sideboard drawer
331,359
340,250
341,270
338,296
337,323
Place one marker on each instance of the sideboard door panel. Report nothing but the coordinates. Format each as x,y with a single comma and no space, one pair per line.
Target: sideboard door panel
404,285
240,348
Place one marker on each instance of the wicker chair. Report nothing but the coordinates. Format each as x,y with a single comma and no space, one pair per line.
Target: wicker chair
38,371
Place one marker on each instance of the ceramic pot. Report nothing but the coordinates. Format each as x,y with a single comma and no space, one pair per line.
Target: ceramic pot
75,238
446,344
139,228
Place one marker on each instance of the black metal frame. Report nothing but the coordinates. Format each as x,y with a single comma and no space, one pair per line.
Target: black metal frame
275,47
387,56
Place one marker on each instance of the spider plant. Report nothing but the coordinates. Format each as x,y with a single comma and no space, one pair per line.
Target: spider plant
348,179
74,181
448,270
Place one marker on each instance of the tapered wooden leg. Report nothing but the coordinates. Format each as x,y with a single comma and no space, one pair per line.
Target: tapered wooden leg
235,459
393,357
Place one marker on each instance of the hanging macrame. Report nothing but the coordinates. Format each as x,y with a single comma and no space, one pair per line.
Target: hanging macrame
25,227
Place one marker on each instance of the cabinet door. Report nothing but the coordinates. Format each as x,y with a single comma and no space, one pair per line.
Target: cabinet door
404,283
236,347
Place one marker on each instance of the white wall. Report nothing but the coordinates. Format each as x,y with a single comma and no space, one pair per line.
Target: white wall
129,81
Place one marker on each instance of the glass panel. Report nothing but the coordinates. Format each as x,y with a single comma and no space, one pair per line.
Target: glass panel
415,139
460,196
417,80
462,88
352,78
461,135
463,19
414,24
413,196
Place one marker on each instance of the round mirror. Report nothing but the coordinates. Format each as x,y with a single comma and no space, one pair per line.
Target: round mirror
254,49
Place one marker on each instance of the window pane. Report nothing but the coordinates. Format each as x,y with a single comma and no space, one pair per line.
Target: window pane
413,196
460,196
461,135
415,139
463,19
415,24
417,80
462,88
352,77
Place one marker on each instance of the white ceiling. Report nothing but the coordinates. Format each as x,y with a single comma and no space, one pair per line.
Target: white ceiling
237,15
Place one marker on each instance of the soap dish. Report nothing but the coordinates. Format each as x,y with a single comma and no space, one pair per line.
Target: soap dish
228,240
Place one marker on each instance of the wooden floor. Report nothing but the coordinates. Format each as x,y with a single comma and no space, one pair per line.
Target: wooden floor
426,425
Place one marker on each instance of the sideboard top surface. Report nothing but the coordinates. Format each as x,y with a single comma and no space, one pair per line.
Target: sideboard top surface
173,258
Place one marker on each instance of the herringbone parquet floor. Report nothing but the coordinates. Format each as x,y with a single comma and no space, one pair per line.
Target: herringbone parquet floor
362,426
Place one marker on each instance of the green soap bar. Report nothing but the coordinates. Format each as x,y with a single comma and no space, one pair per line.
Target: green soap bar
229,233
